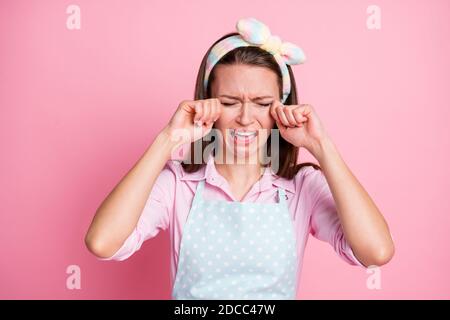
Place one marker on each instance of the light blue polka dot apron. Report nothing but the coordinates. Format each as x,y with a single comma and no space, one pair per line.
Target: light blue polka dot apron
237,250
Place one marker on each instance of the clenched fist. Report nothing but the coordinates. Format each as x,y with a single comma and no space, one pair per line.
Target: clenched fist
193,119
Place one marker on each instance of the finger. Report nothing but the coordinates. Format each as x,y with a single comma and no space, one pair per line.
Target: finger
276,118
218,109
298,116
306,109
210,119
282,117
206,111
290,117
198,113
273,113
215,110
188,106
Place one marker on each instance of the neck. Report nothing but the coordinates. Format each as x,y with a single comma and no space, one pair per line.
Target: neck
242,173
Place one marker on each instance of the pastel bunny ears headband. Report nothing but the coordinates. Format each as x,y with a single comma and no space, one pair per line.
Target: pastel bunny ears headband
253,32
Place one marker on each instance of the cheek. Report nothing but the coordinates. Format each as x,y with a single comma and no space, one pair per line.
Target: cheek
221,124
224,119
266,120
218,124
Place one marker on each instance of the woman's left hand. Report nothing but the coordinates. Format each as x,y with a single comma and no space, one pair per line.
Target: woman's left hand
299,125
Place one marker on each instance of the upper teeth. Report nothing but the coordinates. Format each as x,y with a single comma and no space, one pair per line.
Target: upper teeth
243,134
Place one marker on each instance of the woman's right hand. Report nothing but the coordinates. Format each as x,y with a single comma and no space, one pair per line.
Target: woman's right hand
193,120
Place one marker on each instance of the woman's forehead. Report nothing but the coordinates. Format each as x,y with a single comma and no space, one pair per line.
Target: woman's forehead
244,80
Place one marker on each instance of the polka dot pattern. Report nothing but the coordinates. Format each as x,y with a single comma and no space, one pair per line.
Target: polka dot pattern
237,250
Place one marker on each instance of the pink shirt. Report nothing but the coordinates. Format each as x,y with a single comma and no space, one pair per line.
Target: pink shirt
311,206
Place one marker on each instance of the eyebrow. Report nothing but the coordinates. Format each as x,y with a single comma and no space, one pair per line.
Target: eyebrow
235,97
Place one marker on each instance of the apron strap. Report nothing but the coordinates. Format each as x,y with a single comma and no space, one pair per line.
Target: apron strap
281,195
199,191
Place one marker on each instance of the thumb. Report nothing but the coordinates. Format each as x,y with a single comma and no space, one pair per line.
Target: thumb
203,129
280,126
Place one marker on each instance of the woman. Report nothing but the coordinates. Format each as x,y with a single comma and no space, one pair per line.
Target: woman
239,228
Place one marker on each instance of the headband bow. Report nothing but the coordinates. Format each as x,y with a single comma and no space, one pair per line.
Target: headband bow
257,33
253,32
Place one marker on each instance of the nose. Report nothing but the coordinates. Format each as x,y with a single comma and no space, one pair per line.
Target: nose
245,117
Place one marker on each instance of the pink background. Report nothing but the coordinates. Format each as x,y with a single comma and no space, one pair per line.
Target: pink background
79,107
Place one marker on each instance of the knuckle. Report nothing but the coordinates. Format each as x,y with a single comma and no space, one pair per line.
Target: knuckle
183,103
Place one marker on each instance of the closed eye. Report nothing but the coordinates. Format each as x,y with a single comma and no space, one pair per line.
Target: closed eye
261,104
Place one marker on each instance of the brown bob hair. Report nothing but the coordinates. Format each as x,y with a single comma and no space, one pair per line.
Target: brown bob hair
254,56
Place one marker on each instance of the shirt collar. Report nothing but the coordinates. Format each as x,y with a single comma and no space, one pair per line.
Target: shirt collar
209,173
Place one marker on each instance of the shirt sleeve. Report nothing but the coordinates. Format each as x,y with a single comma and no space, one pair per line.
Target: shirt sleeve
154,217
325,223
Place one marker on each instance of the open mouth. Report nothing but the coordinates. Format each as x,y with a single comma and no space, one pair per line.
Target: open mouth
243,137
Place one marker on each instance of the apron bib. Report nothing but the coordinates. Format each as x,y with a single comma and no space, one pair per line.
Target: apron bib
237,250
